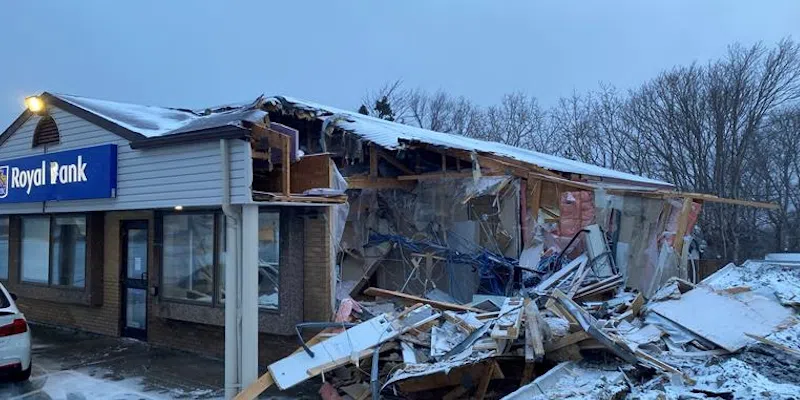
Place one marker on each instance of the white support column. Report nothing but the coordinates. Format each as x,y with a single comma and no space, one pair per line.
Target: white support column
249,279
232,331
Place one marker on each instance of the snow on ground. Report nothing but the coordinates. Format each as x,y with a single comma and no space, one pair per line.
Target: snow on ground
782,280
72,385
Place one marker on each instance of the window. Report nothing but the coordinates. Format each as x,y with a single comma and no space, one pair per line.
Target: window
35,259
53,250
268,259
68,256
189,257
46,132
4,247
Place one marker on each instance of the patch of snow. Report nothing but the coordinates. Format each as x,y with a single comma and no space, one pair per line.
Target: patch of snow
147,120
781,280
389,135
559,327
740,379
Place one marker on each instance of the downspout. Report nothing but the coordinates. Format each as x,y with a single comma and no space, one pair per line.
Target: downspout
232,347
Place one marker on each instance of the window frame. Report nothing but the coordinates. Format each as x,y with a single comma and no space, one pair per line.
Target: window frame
51,218
218,218
281,229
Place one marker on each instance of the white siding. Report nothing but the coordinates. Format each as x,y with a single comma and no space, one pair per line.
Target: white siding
187,174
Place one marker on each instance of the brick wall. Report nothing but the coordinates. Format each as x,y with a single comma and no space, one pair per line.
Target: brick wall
310,241
317,273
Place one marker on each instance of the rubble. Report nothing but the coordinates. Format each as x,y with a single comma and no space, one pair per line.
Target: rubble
687,342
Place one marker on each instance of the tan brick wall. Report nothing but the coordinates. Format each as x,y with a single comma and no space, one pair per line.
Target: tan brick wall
317,271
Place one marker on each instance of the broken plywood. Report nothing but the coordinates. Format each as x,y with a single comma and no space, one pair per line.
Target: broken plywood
723,320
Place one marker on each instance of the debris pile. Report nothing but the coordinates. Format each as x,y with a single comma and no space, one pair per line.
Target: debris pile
733,335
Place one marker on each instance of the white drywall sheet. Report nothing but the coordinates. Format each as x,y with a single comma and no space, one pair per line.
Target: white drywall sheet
723,319
348,344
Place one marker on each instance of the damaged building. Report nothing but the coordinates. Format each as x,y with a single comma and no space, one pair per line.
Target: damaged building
228,230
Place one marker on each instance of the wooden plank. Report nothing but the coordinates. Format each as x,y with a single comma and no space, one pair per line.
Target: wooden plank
602,289
563,181
580,276
565,341
507,325
774,344
562,273
435,175
366,182
558,310
637,304
716,199
256,388
265,381
614,280
663,366
480,394
394,161
683,221
534,348
377,292
457,393
311,172
527,374
589,324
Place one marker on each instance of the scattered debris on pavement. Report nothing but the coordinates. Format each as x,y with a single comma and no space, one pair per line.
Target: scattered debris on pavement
573,336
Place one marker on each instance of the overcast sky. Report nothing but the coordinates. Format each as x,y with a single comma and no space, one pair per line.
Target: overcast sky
202,53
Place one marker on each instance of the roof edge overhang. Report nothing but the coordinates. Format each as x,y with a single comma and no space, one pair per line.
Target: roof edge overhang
79,112
217,133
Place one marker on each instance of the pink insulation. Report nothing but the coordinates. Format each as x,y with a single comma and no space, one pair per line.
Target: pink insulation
577,212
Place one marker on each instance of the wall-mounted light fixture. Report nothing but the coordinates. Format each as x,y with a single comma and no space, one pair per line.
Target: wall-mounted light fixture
35,104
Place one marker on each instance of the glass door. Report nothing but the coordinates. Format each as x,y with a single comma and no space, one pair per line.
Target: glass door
134,240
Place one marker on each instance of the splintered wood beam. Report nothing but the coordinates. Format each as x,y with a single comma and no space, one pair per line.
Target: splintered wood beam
683,222
394,161
377,292
563,181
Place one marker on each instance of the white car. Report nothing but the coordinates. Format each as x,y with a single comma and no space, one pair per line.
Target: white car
15,339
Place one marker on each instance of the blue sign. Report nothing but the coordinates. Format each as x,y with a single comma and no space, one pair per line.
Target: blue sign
89,173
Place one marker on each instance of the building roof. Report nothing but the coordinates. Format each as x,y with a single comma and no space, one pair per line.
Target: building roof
151,121
150,126
392,135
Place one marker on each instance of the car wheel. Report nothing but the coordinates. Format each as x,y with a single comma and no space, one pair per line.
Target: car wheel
23,375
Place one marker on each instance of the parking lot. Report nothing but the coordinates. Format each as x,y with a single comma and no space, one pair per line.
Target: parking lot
74,366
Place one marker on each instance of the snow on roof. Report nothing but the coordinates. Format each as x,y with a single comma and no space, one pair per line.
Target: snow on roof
153,121
389,135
